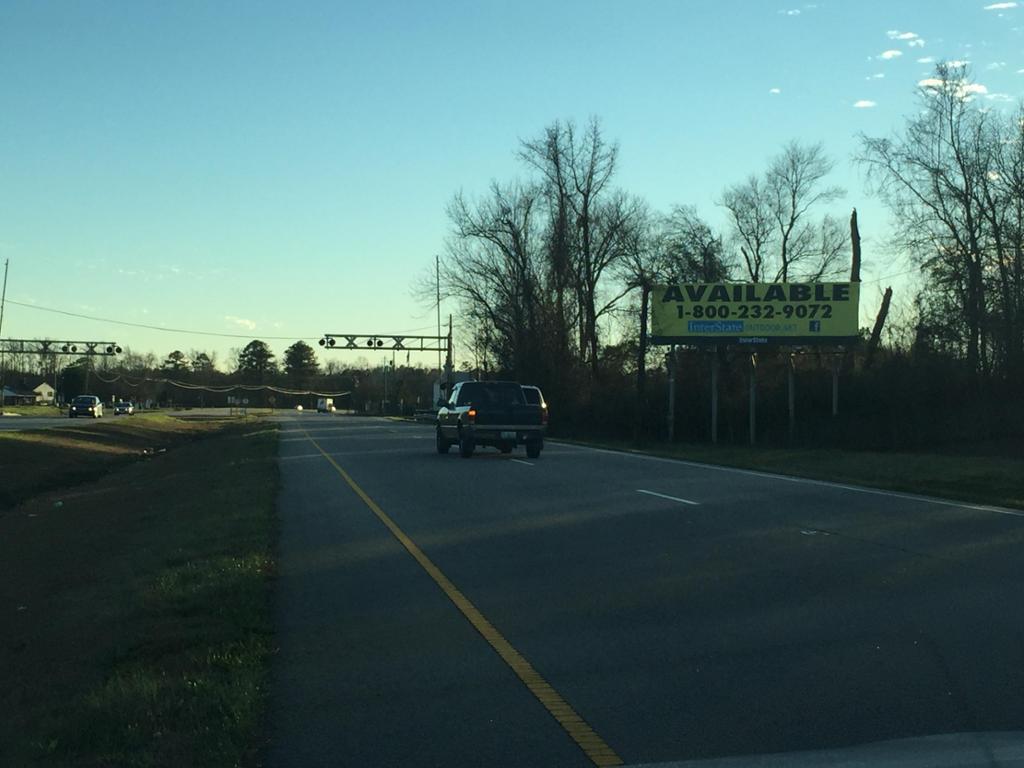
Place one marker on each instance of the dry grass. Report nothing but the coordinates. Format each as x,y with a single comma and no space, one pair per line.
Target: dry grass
137,627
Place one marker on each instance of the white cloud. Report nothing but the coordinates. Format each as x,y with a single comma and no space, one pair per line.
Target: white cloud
966,91
1002,98
876,76
926,60
995,65
241,322
775,90
1000,6
864,104
1020,71
890,54
912,39
958,63
790,12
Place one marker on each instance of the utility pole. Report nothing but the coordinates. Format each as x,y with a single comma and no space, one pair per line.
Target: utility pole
3,366
437,275
448,360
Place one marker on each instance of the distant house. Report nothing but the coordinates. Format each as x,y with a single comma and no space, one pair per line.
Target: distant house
45,394
13,397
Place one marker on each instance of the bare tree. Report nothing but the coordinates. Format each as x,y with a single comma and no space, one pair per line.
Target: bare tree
691,250
771,218
588,219
932,178
492,266
1002,191
794,181
753,231
680,247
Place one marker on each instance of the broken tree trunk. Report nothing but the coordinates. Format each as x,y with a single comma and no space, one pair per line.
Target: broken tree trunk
876,332
855,242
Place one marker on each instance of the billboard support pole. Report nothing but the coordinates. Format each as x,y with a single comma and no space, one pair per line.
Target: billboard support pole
753,398
714,396
672,394
791,376
835,385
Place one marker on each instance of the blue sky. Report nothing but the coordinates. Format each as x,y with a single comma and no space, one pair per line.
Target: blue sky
280,170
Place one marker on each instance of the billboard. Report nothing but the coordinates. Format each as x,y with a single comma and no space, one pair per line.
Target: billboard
755,313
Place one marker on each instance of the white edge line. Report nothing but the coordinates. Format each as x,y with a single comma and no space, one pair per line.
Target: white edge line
804,480
670,498
520,461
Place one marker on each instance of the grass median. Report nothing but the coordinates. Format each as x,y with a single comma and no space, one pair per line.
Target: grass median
38,411
983,474
35,461
137,604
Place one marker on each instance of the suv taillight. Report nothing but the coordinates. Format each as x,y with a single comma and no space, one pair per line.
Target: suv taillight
543,414
471,415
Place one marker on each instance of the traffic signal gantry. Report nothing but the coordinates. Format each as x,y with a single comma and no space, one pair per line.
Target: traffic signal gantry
395,341
59,347
378,341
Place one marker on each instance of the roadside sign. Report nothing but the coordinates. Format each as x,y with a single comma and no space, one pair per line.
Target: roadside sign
755,313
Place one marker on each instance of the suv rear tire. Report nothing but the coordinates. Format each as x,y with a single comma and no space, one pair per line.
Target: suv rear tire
533,448
442,444
466,446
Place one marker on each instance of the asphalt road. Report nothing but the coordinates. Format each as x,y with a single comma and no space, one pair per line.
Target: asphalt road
681,611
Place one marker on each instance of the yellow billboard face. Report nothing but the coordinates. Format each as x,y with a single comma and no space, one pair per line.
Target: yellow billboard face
755,313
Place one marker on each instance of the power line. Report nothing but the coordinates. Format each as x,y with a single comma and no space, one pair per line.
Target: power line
149,327
894,274
217,390
312,337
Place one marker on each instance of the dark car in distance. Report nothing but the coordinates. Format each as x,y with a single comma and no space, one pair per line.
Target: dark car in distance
124,408
86,405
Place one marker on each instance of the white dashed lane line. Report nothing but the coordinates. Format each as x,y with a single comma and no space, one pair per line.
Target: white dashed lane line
670,498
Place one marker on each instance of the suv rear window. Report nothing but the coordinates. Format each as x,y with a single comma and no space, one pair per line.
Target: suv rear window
85,400
490,393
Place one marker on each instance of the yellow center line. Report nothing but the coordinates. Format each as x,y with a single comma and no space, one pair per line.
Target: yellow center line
592,745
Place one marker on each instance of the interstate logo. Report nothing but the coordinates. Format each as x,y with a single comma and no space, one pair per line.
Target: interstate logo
715,326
